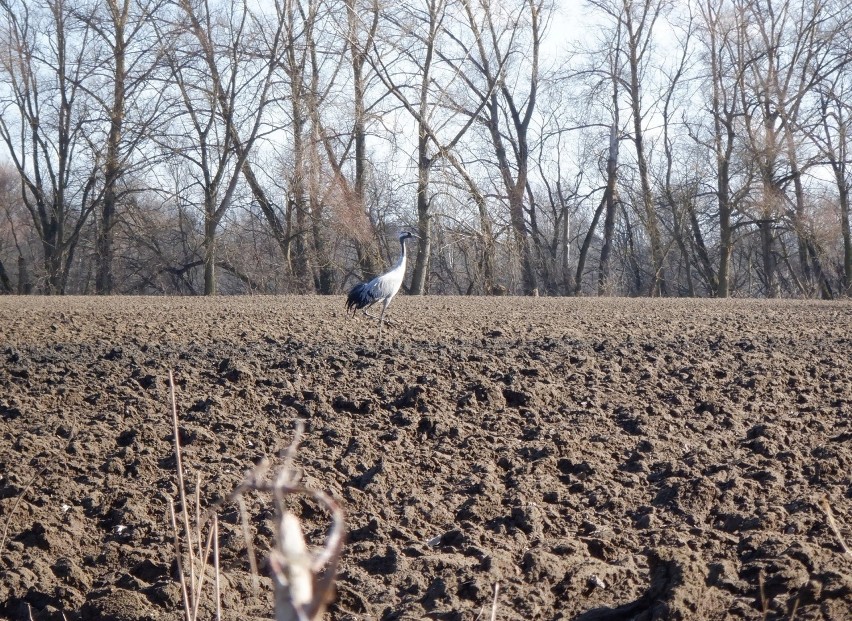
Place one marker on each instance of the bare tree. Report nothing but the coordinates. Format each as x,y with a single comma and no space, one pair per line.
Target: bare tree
345,147
509,103
553,241
486,265
605,84
792,53
722,30
678,189
297,61
634,22
123,61
609,202
44,118
9,192
639,18
832,136
224,89
422,75
360,35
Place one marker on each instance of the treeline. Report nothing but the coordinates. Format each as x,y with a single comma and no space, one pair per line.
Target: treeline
664,147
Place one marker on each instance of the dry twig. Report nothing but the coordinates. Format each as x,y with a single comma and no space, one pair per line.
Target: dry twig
825,507
15,506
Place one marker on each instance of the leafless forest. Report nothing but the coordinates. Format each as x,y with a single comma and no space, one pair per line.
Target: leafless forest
665,148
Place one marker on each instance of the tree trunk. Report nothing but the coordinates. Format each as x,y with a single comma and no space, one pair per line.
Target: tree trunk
302,267
104,268
5,283
325,283
705,265
843,191
680,232
51,249
325,270
367,255
424,219
587,241
632,256
658,284
604,267
519,229
773,198
489,284
104,281
565,235
724,113
515,190
209,256
798,215
25,285
769,260
726,242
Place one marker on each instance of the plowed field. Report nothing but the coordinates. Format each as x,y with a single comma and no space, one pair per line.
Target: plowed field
596,458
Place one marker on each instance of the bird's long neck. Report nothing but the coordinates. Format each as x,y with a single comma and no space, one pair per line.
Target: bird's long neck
401,261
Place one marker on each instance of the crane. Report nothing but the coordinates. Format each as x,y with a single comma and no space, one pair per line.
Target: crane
381,288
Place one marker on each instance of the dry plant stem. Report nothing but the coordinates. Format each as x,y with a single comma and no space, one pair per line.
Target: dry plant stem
825,506
291,564
178,556
249,546
303,583
328,558
15,506
181,485
217,585
494,605
203,556
290,453
194,537
198,511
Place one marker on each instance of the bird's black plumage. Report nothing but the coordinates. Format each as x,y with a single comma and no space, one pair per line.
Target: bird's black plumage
361,296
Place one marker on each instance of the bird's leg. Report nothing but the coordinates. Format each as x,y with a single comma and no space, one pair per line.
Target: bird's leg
382,317
371,315
367,312
385,305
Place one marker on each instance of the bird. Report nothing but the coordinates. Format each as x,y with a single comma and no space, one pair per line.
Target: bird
381,288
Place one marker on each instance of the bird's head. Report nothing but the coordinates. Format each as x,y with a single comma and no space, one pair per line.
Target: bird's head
406,235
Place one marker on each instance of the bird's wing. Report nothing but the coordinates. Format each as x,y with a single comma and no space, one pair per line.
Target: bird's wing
383,286
363,294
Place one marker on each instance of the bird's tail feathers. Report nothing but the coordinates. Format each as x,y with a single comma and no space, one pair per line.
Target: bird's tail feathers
358,297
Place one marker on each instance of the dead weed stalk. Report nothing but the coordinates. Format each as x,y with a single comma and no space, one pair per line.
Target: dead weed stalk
196,553
825,507
15,506
303,580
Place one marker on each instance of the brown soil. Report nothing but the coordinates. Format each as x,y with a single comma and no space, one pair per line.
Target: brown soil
599,459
